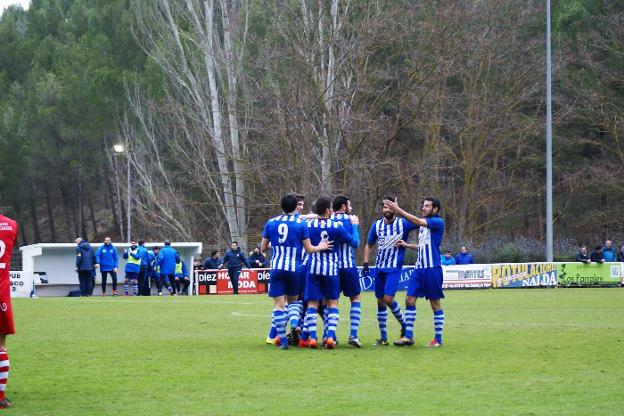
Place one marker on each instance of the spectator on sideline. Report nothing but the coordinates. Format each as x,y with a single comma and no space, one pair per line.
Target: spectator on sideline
464,257
197,264
596,255
107,260
583,255
143,276
447,259
621,254
608,252
214,261
167,259
257,260
234,259
149,271
182,276
85,266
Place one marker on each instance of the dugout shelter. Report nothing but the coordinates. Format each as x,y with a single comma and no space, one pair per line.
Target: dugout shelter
52,264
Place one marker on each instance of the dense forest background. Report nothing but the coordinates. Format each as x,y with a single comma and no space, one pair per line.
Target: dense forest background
225,105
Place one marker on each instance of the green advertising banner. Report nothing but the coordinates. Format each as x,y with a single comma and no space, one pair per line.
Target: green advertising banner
593,274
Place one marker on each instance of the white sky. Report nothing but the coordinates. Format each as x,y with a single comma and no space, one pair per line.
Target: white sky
5,3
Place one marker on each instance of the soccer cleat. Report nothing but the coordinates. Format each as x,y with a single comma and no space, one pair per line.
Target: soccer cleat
159,293
271,341
289,339
402,332
5,403
403,342
312,343
330,343
382,342
278,341
433,344
304,343
295,336
283,347
355,342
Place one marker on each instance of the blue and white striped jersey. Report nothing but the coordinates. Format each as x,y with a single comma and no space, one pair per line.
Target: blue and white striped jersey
346,253
429,242
325,263
286,234
389,256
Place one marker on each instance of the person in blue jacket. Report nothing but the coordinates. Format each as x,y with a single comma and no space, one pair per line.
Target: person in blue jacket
214,261
447,259
234,259
157,276
107,260
143,276
608,252
133,268
85,266
167,259
182,277
464,257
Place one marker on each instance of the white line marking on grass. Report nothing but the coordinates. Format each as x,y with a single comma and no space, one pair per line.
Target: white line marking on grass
247,315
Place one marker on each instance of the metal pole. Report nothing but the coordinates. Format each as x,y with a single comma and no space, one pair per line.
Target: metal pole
128,190
549,167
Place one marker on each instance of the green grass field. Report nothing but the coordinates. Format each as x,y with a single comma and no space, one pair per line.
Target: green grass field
507,352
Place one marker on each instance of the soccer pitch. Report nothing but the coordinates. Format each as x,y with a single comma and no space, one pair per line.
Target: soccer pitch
507,352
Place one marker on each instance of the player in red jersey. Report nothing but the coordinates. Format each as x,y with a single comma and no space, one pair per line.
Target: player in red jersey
8,240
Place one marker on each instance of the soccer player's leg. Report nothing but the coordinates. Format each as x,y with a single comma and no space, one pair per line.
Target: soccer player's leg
135,284
7,327
4,373
414,290
350,286
292,293
331,292
127,281
433,278
382,309
277,291
393,279
313,295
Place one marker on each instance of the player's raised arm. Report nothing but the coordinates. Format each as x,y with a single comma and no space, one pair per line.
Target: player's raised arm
400,211
352,239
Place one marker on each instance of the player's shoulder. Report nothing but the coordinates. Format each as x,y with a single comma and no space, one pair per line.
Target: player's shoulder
435,221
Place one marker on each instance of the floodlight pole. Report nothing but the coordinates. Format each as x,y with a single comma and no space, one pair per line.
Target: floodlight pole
128,191
549,167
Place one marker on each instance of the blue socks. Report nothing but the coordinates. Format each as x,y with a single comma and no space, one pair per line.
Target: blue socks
410,319
332,322
356,311
438,324
382,319
310,322
396,311
279,317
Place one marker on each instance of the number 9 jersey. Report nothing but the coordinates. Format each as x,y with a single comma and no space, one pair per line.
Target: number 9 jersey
8,239
286,234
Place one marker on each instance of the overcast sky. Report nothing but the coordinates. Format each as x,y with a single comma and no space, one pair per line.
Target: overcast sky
5,3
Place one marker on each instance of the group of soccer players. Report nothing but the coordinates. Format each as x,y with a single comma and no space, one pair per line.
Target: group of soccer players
313,261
